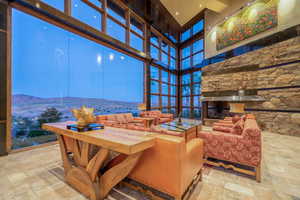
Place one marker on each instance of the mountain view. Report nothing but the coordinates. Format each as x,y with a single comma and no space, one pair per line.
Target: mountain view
31,106
30,112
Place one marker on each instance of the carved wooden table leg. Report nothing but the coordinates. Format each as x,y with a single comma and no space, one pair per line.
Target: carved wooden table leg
84,175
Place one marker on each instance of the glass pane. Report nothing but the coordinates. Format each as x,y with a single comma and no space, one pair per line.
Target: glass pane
165,110
136,26
173,79
186,35
173,52
115,30
165,89
173,64
96,2
198,46
173,39
198,58
196,89
196,101
154,39
86,14
173,101
173,90
186,52
198,27
186,63
58,4
164,58
186,90
154,52
173,111
164,76
154,101
116,12
79,72
165,47
136,42
154,73
197,113
165,101
186,79
197,76
186,112
154,87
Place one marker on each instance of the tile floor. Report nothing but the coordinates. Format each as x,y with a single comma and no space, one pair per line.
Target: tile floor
37,174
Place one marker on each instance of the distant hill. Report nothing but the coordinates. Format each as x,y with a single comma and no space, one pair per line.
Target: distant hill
31,106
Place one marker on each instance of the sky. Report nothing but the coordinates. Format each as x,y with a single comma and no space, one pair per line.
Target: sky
51,62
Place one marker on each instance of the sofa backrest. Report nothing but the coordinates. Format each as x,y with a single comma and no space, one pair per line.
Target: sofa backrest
151,113
121,118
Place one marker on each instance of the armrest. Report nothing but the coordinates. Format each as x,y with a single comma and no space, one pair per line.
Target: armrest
138,119
166,115
192,162
222,129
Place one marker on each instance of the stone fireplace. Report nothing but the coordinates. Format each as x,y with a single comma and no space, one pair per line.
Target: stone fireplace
215,108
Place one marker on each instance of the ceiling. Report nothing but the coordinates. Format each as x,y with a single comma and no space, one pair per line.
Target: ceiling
185,10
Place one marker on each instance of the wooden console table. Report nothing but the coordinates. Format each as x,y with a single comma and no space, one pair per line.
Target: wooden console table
83,174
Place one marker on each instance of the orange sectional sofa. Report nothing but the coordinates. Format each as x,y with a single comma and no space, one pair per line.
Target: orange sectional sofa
170,166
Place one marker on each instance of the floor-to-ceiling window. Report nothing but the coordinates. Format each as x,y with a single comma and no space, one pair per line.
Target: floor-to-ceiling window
191,57
54,71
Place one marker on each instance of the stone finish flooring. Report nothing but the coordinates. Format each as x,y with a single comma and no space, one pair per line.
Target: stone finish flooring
37,174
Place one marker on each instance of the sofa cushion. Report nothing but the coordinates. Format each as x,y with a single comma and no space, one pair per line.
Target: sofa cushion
129,117
111,117
101,117
121,118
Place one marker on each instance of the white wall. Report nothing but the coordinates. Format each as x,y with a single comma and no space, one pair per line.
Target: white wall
288,16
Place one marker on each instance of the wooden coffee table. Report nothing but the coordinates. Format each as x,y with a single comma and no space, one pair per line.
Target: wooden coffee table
83,174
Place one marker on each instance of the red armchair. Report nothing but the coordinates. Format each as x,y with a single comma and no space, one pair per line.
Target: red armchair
158,116
244,148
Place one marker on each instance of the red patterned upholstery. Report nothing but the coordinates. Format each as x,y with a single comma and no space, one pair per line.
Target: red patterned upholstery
244,149
158,116
222,129
126,121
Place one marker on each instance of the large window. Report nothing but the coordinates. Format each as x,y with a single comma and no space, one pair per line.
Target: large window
192,55
190,94
54,71
163,51
163,90
112,18
196,28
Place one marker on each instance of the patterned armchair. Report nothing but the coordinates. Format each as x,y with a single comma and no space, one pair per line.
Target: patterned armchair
241,147
158,116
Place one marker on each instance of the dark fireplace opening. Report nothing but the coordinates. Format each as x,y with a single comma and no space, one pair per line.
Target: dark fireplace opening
218,110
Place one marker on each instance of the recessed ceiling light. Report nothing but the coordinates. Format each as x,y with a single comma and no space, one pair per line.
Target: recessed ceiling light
200,5
176,13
